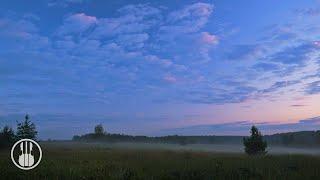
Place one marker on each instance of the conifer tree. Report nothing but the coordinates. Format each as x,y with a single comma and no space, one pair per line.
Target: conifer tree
255,143
26,129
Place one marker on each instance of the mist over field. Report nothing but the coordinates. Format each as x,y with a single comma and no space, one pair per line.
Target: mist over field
213,148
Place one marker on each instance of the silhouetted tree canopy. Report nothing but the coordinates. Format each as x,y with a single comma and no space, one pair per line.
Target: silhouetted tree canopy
7,137
98,129
255,144
26,129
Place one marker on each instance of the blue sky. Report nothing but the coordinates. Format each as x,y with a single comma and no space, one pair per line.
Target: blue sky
160,67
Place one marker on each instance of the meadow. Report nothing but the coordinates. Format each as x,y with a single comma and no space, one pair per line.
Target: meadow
67,160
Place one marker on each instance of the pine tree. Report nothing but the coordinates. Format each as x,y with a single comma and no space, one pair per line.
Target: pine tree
255,144
26,129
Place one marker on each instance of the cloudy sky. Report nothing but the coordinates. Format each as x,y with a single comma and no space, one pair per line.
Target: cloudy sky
160,67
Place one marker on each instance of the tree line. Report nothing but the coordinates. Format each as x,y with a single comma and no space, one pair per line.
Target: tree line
25,130
291,139
256,143
253,145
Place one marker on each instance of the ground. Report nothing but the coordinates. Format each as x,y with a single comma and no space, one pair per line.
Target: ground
92,161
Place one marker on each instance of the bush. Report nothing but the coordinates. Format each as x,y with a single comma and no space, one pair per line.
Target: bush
7,137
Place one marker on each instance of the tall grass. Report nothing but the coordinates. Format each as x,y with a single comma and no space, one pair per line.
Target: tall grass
60,162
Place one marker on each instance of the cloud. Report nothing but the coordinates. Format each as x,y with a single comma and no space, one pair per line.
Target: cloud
65,3
135,34
297,105
132,19
133,41
187,21
294,55
208,38
77,23
75,1
281,33
31,17
314,120
142,45
124,66
170,78
243,127
140,11
308,11
145,28
231,91
152,53
20,29
280,84
209,95
265,67
226,91
157,60
190,19
245,52
313,88
21,34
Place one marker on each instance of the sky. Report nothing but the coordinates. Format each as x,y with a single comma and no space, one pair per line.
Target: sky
160,67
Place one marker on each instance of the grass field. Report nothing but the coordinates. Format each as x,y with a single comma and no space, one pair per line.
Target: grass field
61,161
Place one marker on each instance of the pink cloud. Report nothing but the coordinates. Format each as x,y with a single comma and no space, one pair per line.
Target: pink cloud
82,18
208,38
316,44
170,79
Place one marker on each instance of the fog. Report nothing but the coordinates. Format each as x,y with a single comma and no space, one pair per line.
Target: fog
218,148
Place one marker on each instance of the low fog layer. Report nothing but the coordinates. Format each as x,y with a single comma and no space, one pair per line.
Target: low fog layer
219,148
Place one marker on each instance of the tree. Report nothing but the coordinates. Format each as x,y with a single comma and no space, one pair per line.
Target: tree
255,144
7,137
98,129
26,129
